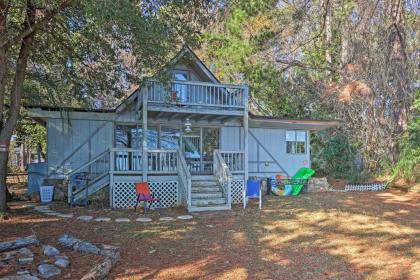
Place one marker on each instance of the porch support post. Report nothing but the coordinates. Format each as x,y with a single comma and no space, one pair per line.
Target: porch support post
246,136
144,128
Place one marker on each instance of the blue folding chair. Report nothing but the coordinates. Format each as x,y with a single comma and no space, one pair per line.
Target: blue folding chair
252,190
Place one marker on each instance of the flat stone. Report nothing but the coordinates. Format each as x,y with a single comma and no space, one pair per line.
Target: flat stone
122,220
50,251
68,240
41,207
25,252
52,213
45,211
166,219
85,218
103,219
86,247
143,220
61,262
48,270
65,215
184,217
26,260
22,272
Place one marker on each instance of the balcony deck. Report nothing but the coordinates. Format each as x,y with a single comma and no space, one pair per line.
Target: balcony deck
197,97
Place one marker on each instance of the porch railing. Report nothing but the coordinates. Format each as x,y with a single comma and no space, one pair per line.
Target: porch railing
197,93
126,160
185,180
235,160
223,175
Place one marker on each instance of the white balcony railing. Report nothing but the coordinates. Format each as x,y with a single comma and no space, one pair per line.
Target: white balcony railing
235,160
126,160
197,94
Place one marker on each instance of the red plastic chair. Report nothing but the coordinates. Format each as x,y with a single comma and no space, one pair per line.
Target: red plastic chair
144,194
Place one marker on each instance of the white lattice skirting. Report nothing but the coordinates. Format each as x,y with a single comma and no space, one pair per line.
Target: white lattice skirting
362,188
237,188
124,194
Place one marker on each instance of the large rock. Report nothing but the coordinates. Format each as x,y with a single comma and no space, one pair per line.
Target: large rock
62,262
6,256
25,253
78,245
18,243
318,185
48,270
86,247
68,241
50,251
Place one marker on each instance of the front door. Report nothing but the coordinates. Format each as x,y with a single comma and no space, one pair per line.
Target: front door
198,146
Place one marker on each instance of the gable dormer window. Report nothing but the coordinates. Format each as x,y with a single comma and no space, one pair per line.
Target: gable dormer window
181,75
181,89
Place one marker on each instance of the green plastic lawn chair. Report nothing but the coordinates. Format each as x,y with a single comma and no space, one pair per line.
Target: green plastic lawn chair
301,177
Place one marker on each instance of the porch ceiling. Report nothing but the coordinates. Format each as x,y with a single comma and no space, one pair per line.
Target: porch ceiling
180,117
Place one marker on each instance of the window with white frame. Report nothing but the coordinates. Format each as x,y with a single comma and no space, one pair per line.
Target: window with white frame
295,142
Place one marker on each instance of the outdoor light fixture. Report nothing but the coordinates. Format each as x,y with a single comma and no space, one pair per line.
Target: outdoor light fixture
187,125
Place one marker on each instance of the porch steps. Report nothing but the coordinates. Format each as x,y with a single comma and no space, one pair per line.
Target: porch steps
209,208
206,195
203,195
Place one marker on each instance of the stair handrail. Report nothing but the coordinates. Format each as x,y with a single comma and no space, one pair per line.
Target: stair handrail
223,175
185,177
103,158
87,163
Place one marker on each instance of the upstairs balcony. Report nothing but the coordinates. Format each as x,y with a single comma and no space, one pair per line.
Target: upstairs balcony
199,97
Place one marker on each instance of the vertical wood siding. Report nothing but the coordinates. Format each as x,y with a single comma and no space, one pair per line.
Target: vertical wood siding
65,137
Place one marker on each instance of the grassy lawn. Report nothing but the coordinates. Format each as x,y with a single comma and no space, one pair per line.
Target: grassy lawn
315,236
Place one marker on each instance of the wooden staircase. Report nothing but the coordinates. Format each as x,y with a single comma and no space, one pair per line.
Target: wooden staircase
207,195
81,196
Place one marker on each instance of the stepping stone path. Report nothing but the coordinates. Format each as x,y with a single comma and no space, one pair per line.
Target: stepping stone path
143,220
166,219
184,217
44,209
85,218
102,219
122,220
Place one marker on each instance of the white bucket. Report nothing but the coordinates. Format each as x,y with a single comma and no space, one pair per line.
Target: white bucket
46,193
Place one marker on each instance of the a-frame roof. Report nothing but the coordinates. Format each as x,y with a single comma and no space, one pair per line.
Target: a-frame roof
185,52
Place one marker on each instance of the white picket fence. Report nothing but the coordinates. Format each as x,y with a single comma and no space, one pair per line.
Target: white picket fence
362,188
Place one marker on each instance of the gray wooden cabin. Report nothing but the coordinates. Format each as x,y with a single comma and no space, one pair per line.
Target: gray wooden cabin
191,138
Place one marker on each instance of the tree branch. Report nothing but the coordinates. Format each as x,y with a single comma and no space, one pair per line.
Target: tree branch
30,29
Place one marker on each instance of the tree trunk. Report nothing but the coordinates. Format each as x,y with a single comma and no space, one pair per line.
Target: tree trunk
3,187
16,97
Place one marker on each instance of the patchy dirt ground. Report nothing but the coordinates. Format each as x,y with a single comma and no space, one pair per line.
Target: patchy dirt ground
372,235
